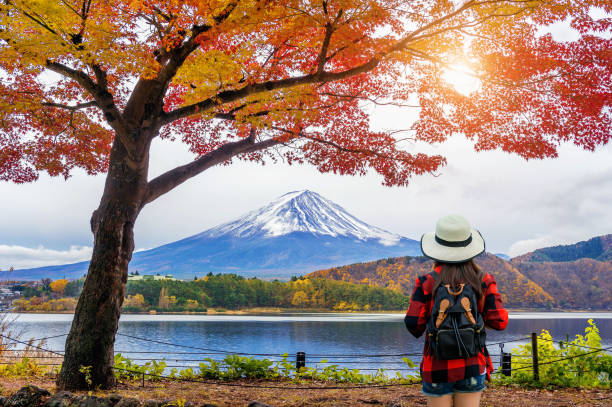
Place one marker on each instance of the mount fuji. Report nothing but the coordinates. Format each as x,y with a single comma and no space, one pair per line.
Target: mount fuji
297,233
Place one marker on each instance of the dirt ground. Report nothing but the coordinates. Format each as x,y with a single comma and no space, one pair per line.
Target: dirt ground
405,395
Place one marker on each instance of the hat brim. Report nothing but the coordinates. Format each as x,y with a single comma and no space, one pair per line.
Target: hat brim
436,251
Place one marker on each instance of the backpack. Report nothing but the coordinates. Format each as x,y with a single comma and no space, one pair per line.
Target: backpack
455,328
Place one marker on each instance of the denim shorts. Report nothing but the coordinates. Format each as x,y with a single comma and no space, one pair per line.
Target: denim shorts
468,385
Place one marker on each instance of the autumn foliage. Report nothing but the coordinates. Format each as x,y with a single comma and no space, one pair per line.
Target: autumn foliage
580,284
297,71
58,286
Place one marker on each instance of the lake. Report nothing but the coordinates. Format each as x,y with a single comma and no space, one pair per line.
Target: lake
344,339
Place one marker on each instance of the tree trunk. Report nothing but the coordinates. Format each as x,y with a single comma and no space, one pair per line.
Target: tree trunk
90,343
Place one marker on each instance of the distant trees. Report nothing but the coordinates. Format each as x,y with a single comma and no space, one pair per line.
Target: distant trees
44,305
74,287
235,292
46,283
58,286
135,303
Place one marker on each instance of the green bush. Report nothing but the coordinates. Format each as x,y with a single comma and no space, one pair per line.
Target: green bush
572,364
125,368
234,367
26,367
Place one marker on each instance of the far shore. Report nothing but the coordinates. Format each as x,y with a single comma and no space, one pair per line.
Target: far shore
278,311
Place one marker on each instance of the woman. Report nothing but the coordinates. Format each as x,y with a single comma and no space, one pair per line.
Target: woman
453,246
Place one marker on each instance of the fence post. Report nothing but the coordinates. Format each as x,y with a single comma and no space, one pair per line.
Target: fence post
506,363
534,355
143,378
300,360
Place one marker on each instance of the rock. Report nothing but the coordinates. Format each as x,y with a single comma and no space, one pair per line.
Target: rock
61,399
92,401
209,405
2,401
114,398
28,396
258,404
127,402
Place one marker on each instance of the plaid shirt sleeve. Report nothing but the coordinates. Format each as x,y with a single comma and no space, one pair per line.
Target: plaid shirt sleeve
418,312
493,312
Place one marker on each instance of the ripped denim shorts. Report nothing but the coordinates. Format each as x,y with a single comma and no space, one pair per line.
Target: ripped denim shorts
468,385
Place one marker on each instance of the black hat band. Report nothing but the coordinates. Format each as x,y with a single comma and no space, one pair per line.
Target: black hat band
447,243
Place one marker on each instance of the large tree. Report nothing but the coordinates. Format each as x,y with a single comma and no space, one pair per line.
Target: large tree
91,84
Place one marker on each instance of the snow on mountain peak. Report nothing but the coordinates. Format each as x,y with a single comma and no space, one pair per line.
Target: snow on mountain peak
302,211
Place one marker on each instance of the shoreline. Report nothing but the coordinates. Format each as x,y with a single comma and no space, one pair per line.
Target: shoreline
280,311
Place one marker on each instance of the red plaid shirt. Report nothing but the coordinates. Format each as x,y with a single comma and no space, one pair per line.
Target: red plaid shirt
444,371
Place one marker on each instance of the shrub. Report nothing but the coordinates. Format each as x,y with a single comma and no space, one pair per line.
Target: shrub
572,364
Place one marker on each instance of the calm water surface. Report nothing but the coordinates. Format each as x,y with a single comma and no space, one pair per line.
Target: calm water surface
321,336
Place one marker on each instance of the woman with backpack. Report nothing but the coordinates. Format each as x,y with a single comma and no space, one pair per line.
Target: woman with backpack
452,304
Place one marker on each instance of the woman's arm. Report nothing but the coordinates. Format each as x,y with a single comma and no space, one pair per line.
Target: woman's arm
417,314
494,314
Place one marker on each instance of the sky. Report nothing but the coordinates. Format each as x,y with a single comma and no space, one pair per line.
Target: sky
517,205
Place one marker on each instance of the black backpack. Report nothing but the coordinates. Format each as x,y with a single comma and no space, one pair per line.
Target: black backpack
455,329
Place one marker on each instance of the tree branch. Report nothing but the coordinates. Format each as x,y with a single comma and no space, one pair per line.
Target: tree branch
104,100
71,108
317,77
362,151
149,93
233,95
175,177
369,99
79,76
329,30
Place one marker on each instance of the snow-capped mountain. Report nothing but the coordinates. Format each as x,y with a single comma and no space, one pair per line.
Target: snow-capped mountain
302,211
297,233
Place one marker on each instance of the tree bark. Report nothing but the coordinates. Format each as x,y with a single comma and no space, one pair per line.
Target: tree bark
90,342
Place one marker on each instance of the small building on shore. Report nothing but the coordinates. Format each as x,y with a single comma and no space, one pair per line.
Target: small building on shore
150,277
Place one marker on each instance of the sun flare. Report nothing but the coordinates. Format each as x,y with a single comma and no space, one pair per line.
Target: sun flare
461,78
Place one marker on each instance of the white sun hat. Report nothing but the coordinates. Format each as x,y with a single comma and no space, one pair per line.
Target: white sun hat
454,241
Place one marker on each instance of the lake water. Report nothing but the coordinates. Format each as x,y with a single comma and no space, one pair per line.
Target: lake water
335,337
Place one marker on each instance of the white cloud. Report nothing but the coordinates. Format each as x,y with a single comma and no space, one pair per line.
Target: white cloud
529,245
26,257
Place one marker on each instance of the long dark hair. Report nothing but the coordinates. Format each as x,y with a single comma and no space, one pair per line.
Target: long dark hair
456,273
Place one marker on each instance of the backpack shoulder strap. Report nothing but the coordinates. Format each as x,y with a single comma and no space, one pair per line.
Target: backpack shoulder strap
481,302
434,274
436,277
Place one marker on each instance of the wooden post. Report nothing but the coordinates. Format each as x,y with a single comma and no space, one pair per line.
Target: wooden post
143,378
300,360
534,355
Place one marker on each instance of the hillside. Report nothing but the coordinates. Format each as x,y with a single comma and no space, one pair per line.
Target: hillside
518,291
584,283
597,248
577,275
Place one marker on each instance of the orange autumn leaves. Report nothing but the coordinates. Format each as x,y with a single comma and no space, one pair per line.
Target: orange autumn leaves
301,72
